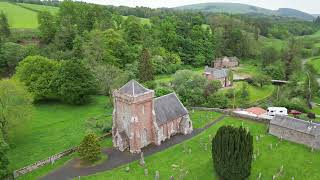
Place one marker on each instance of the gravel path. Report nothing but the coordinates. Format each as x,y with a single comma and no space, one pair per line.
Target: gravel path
117,158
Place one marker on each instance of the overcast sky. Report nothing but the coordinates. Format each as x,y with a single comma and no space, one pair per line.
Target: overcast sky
310,6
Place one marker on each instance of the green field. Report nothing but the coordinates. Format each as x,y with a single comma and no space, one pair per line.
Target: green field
297,160
315,62
20,17
53,128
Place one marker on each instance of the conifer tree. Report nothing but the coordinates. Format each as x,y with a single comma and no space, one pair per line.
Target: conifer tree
146,71
90,148
232,150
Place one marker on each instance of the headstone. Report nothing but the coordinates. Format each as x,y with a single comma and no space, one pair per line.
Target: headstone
79,177
292,178
157,177
205,146
127,169
260,175
189,150
271,146
171,178
142,162
146,172
281,169
273,177
257,138
254,157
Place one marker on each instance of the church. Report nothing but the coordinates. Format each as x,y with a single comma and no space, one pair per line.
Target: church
140,119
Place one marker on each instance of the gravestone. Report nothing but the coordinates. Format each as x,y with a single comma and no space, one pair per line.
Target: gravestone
142,162
146,172
157,177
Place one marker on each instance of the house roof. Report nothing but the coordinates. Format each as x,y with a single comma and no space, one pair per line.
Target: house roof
217,73
168,108
133,88
256,110
296,124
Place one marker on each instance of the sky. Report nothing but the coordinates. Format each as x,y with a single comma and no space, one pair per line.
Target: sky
309,6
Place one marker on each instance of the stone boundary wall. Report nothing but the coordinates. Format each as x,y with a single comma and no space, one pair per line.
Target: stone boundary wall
50,159
231,113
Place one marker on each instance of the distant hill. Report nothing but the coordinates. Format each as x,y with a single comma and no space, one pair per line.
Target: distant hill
237,8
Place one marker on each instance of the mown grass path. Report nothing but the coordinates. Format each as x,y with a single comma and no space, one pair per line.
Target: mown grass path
118,158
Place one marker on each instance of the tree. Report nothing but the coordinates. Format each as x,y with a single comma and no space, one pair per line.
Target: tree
290,57
109,77
47,26
90,148
15,105
12,54
75,82
38,74
4,161
146,72
261,80
232,150
269,56
190,87
212,87
4,26
217,100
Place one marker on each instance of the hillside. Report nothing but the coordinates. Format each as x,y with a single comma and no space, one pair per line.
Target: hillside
237,8
24,15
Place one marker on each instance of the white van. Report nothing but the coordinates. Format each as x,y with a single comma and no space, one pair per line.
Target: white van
272,111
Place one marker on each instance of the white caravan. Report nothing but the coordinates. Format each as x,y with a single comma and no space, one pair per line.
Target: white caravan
272,111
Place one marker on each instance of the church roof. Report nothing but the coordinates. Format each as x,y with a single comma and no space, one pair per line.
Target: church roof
133,88
168,108
217,73
296,124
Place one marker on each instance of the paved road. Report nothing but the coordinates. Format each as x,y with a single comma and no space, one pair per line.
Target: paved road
117,158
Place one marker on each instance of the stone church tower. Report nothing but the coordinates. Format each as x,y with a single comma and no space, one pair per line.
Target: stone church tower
139,119
133,110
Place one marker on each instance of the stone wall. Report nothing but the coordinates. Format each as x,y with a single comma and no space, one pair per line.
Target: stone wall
231,113
49,160
294,136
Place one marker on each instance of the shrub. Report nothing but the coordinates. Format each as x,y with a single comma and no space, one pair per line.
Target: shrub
232,150
90,148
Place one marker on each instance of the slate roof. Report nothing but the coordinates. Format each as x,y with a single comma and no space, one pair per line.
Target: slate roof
217,73
296,124
168,108
133,88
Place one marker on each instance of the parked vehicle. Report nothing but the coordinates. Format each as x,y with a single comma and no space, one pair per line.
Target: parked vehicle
272,111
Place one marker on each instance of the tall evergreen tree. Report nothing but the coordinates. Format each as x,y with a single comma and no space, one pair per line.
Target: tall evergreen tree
146,71
4,26
232,150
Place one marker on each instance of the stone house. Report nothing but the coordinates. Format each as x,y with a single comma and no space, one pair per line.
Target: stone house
296,130
225,62
218,74
140,119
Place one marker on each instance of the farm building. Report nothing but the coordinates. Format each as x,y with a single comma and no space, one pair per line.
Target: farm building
221,75
139,119
225,62
253,112
296,130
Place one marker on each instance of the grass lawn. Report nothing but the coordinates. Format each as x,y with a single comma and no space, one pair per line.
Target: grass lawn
53,128
298,161
201,118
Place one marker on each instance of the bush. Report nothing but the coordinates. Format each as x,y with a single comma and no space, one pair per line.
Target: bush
90,148
162,91
217,101
232,150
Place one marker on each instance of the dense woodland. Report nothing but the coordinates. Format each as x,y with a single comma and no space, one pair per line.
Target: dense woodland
109,45
89,49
